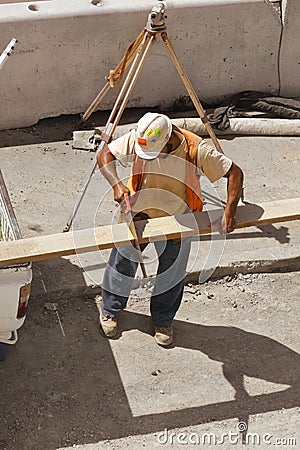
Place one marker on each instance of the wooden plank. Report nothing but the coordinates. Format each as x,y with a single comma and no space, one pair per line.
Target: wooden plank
171,227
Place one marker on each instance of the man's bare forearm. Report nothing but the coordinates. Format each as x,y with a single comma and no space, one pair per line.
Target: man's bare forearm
235,179
234,191
106,163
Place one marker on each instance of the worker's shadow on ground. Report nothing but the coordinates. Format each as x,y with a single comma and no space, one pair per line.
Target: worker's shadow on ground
63,385
71,384
242,354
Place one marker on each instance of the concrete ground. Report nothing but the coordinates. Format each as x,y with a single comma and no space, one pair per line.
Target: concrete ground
235,357
234,365
44,175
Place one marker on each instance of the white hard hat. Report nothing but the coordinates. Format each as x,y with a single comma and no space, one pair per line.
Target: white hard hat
152,134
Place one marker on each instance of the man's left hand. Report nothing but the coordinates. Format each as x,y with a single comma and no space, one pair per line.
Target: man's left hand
228,222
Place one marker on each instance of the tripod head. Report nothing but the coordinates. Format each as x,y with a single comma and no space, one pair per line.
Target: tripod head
156,18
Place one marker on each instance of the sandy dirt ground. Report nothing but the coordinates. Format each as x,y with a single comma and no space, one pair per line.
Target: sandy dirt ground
235,359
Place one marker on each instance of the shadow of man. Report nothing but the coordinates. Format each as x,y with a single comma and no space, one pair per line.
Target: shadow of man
242,353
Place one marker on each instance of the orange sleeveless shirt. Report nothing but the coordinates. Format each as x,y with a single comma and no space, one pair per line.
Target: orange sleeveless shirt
194,198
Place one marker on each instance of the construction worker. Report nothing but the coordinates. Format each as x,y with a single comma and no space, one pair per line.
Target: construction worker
164,180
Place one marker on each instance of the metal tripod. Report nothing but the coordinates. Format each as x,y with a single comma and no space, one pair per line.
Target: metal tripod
7,52
137,52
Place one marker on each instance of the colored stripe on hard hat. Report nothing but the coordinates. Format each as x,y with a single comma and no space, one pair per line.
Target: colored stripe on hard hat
142,142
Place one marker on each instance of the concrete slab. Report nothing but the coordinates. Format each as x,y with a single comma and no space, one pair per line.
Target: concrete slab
235,360
289,63
68,48
45,175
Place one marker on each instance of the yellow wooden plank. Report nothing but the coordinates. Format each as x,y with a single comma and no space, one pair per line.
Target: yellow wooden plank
247,215
172,227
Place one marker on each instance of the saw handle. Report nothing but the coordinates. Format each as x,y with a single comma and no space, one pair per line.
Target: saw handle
127,203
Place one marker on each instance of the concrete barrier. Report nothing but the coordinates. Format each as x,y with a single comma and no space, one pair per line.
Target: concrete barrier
66,49
289,62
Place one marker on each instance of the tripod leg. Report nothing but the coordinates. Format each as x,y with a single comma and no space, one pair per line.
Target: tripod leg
80,196
141,55
191,91
117,111
96,102
123,64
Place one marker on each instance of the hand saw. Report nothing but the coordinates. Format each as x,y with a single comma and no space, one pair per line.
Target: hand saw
130,222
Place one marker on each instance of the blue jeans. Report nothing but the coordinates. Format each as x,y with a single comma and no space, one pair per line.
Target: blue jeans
167,294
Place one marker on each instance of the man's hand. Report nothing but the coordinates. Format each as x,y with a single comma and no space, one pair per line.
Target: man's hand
119,190
228,222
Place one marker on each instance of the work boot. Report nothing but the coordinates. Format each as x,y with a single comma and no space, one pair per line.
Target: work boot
109,325
163,335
